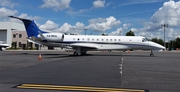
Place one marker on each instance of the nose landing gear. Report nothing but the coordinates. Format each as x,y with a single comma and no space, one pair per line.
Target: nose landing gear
151,54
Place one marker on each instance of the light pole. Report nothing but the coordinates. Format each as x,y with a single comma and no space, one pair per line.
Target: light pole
164,26
85,30
119,33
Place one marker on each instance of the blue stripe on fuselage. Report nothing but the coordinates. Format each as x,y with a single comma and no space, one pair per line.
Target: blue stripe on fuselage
105,43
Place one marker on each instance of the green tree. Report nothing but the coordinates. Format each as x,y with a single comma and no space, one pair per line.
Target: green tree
12,45
15,44
156,40
177,42
130,33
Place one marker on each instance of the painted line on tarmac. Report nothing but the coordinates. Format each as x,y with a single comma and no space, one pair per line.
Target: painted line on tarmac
76,88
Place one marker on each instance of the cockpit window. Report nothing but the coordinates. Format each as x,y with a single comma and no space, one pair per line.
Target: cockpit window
145,40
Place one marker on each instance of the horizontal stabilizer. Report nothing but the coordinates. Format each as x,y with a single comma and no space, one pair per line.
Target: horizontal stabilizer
29,40
20,18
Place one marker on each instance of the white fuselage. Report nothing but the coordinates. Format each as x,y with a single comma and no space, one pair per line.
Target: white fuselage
102,42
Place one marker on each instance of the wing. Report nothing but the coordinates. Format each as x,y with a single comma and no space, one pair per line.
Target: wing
86,46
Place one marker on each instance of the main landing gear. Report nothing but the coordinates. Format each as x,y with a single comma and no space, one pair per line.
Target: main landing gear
151,54
78,54
79,51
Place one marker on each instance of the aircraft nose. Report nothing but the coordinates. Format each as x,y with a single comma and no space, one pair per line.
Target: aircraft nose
160,46
157,46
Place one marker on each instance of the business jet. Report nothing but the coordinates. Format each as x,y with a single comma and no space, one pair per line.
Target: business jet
3,45
83,43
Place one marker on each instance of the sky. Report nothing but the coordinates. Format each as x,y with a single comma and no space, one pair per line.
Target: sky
113,17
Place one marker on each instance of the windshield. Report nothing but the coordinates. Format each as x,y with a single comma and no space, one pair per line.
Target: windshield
145,40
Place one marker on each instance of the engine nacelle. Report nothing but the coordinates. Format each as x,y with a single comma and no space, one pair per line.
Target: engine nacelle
52,37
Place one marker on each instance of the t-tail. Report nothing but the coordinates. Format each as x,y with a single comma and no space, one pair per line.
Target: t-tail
31,28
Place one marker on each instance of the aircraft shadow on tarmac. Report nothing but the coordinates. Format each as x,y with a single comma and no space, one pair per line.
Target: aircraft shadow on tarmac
58,55
94,55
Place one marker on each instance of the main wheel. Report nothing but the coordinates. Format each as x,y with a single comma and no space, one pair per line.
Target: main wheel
75,53
151,55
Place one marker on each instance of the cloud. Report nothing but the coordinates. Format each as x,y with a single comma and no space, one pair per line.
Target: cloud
117,32
7,3
125,26
97,24
120,30
26,16
97,20
169,14
56,4
98,3
4,12
79,13
67,28
49,25
131,2
101,25
23,15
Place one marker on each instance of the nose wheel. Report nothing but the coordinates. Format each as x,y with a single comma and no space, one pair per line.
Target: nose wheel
151,54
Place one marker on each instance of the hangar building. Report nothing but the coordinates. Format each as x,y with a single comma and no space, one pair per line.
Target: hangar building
10,30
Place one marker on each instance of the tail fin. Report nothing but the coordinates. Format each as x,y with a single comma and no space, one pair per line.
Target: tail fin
31,28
